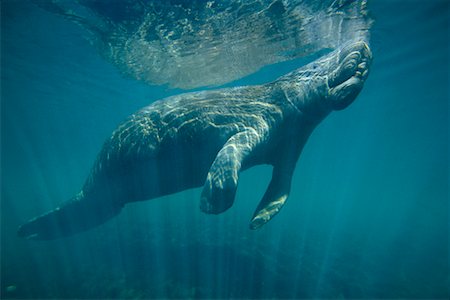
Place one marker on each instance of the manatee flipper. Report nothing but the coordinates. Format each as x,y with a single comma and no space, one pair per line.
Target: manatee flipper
76,215
222,179
274,197
280,185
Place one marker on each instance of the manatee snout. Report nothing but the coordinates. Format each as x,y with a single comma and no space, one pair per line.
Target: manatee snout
347,80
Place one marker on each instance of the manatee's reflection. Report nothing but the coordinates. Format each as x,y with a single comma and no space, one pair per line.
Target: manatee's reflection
188,44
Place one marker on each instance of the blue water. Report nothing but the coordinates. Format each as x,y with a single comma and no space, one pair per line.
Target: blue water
368,215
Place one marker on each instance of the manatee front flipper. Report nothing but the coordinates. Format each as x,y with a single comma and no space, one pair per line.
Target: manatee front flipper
274,198
221,183
280,185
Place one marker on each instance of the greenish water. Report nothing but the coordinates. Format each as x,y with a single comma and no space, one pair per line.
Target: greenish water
367,216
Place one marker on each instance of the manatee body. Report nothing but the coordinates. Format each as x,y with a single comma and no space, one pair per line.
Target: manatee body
207,138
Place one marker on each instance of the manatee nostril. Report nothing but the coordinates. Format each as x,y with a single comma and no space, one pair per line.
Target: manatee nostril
350,65
355,55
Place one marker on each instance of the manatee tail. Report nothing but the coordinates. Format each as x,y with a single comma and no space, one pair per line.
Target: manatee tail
74,216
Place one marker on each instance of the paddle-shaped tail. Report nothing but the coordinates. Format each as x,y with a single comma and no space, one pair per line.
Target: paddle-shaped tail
76,215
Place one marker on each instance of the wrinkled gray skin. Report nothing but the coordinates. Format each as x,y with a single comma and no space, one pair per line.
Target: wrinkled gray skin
207,138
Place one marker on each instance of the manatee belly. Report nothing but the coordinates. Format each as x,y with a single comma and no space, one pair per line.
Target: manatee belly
138,173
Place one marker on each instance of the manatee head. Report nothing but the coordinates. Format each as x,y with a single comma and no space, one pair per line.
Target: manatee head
332,82
348,68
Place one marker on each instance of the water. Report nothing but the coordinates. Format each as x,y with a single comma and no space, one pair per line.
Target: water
195,43
367,216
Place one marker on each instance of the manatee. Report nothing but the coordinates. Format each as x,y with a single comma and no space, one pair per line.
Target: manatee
207,138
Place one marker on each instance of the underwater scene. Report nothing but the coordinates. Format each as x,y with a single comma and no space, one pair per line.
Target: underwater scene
235,149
